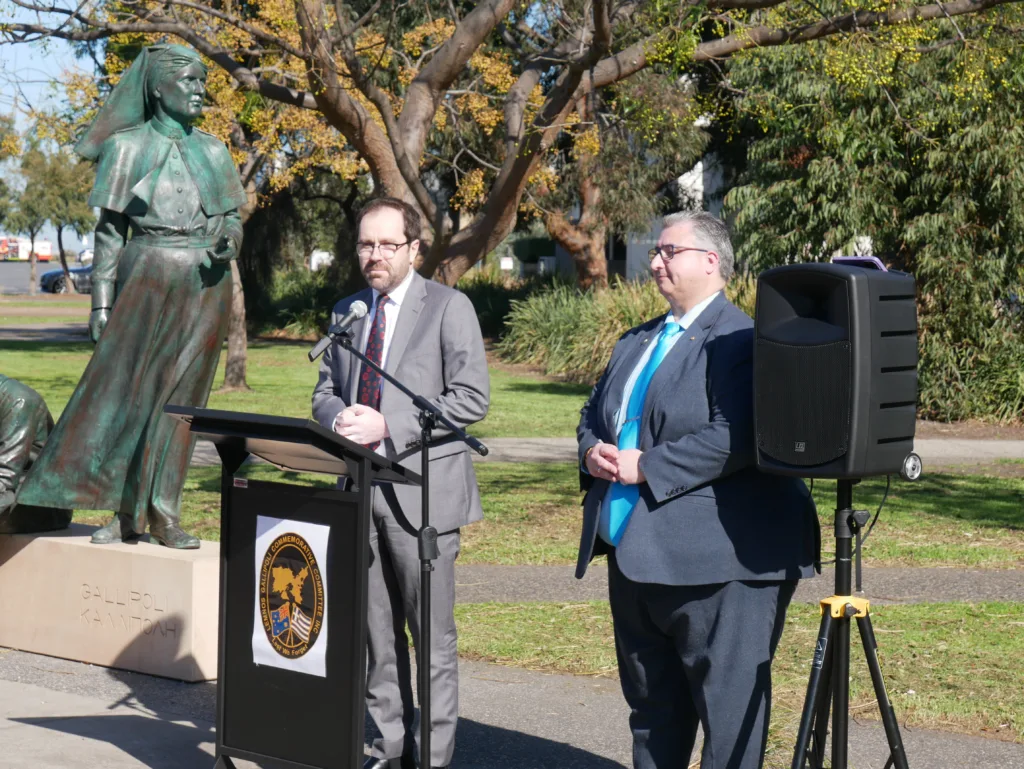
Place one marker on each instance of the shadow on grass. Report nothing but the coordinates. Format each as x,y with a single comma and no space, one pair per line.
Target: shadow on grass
983,501
73,344
558,478
548,388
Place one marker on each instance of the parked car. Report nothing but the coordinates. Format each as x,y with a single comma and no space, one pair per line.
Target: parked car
53,281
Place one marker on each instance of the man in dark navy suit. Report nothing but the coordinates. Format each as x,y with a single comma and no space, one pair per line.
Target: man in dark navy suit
704,552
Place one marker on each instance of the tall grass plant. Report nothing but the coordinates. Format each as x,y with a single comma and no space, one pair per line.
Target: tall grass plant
570,334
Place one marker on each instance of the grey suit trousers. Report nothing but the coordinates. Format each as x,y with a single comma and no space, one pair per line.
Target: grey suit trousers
394,591
694,655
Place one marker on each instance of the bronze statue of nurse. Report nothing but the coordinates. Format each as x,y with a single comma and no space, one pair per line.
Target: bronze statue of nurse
161,300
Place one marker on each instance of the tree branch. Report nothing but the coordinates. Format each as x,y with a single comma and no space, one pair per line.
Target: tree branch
424,94
763,37
103,30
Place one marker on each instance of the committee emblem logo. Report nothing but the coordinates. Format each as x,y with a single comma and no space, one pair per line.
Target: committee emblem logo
291,596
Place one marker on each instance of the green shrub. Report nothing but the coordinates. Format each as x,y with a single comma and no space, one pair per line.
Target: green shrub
570,334
300,302
492,292
986,382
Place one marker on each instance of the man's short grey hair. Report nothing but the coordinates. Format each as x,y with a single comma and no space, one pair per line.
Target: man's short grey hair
711,229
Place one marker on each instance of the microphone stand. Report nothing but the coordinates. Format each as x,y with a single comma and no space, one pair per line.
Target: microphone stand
430,417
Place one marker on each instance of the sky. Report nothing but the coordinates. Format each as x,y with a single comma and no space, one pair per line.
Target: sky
26,74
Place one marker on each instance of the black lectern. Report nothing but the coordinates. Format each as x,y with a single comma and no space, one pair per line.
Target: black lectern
270,715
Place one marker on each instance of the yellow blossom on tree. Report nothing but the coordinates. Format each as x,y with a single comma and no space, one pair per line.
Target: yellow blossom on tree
587,144
433,32
371,47
10,145
471,191
494,69
479,108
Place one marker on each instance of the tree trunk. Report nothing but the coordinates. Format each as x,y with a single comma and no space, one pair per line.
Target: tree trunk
68,283
238,353
33,289
591,262
238,340
586,246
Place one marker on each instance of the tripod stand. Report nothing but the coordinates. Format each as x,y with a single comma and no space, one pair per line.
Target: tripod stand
829,684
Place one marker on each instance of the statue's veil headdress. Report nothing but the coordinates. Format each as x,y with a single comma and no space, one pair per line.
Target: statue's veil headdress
130,103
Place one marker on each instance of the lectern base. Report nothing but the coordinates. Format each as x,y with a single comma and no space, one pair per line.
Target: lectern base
139,607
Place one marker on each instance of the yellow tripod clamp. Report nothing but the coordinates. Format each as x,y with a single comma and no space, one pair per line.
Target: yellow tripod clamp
837,606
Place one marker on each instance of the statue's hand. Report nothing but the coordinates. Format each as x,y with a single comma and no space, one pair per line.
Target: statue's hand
97,322
223,252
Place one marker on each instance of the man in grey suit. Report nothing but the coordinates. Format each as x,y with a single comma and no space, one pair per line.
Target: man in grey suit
427,336
704,551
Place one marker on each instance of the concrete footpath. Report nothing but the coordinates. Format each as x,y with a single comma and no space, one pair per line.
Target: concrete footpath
66,715
934,452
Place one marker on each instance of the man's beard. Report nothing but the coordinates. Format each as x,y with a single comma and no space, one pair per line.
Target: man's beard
381,283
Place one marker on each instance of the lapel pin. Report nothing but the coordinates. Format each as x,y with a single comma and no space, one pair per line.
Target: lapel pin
693,338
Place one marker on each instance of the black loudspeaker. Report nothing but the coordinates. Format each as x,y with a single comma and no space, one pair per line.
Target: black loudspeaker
835,370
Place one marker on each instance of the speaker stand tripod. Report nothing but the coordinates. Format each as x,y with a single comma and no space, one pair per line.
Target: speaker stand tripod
829,684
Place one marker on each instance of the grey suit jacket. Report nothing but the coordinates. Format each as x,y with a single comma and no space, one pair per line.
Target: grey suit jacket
437,351
706,514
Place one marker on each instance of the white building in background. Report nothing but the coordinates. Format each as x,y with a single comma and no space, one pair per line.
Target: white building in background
319,260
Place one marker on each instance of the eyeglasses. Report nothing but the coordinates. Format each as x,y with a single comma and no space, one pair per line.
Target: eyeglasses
666,252
387,250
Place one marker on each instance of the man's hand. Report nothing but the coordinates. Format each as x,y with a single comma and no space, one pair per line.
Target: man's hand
601,461
97,322
361,424
628,467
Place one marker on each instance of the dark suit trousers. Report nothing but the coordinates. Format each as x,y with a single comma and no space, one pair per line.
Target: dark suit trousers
697,654
394,602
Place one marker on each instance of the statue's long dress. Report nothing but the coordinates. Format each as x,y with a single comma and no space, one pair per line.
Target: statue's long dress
113,447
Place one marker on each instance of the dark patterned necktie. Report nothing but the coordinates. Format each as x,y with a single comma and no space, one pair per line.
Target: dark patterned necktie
369,380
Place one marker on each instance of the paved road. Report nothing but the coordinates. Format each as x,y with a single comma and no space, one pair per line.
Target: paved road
935,452
14,276
482,583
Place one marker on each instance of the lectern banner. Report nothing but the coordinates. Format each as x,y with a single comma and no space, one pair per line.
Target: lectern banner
290,625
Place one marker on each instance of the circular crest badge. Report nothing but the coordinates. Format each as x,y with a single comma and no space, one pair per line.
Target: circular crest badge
291,596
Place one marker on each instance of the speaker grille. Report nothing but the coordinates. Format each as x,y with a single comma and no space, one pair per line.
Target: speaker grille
802,401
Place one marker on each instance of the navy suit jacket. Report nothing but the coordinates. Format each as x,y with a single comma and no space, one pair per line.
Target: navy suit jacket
706,514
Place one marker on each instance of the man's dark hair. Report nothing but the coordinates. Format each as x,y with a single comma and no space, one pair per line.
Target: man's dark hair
410,217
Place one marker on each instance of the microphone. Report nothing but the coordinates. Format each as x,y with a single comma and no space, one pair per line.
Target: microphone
356,311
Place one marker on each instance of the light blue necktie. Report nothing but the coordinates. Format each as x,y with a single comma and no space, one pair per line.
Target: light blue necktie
623,498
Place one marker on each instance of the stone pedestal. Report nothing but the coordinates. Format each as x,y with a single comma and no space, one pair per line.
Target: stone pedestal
140,606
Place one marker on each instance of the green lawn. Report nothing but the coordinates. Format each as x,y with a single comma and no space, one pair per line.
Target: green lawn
49,320
532,516
82,301
282,381
946,666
